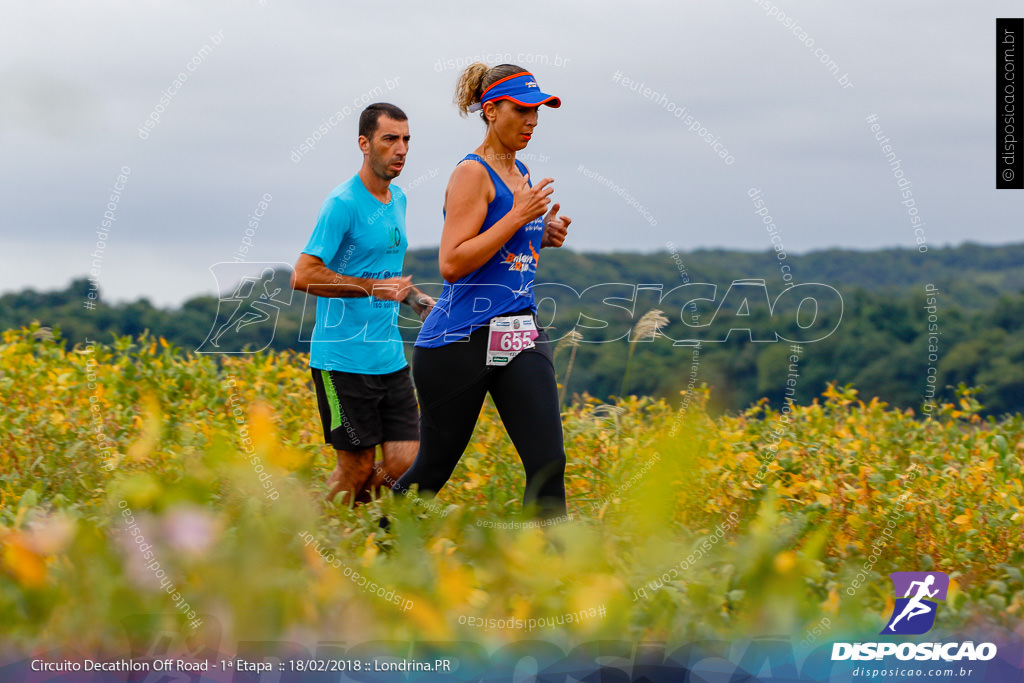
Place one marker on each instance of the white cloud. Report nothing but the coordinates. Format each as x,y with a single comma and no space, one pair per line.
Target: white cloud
82,79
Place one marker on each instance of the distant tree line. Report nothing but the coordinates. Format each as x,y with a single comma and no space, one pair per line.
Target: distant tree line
860,318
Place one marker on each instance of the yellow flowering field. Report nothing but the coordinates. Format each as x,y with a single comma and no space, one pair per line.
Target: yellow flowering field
153,489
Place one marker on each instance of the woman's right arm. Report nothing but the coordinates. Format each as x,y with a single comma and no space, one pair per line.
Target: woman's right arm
463,247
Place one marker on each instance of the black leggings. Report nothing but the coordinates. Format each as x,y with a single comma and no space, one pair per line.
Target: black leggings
452,381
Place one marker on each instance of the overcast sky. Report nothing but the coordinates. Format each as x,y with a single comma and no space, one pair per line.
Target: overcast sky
79,79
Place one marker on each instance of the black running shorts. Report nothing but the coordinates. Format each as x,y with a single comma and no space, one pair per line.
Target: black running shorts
360,411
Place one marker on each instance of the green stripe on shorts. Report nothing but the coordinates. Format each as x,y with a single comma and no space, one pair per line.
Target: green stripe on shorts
332,399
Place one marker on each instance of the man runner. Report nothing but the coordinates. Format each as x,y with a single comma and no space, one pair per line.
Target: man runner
353,264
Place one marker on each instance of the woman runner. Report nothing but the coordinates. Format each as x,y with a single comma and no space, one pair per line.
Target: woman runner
482,335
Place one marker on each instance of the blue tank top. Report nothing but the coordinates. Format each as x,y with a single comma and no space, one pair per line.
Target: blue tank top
503,285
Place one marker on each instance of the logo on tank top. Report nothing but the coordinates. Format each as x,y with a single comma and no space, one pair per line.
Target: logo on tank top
524,264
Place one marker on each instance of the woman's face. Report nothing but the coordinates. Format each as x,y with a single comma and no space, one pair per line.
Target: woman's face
512,123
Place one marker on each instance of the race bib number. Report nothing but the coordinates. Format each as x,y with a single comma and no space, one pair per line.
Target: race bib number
508,335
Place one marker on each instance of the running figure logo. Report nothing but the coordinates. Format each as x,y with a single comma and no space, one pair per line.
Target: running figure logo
246,319
914,613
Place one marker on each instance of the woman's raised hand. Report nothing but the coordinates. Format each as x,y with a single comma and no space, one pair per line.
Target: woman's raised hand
532,202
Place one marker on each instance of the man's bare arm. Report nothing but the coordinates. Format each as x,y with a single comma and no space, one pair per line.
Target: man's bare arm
419,302
312,276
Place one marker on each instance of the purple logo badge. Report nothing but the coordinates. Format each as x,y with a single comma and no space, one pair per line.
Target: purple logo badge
914,611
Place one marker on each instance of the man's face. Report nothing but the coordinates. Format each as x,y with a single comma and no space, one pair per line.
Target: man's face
387,150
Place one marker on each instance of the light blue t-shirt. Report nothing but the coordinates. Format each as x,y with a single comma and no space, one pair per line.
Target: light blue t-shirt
358,235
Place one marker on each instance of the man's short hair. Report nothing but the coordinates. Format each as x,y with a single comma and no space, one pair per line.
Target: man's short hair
368,119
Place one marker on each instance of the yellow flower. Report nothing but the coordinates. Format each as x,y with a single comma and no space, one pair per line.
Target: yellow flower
27,567
785,562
